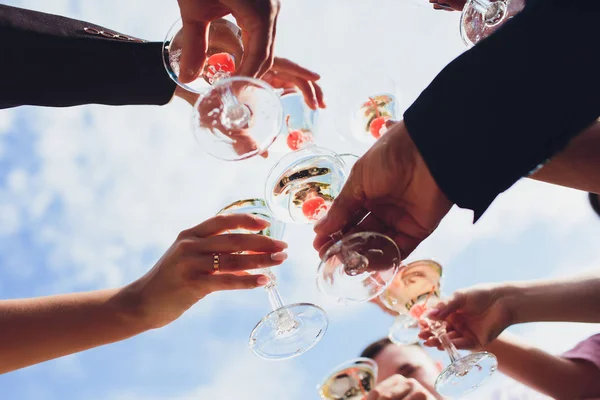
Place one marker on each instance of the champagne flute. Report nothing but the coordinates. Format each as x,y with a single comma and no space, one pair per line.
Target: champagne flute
411,281
300,189
235,118
288,330
421,291
352,380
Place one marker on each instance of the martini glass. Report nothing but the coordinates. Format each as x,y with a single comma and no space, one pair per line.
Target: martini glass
352,380
418,293
300,189
364,105
288,330
411,282
235,118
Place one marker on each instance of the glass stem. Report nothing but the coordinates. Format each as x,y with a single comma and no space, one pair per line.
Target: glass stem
481,5
439,330
235,112
285,319
274,296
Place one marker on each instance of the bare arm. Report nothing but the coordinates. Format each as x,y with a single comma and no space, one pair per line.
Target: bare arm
571,300
554,376
41,329
578,166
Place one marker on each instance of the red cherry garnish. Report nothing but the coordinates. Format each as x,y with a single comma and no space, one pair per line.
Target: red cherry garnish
314,207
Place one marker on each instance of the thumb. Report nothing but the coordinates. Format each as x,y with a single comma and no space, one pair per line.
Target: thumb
195,44
235,282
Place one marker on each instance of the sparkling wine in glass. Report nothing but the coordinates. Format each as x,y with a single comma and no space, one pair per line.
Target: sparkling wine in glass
463,374
352,380
288,330
412,282
235,118
365,104
300,189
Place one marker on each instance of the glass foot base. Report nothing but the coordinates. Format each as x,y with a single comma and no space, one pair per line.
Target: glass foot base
466,374
289,331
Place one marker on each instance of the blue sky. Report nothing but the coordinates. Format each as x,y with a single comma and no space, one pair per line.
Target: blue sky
90,197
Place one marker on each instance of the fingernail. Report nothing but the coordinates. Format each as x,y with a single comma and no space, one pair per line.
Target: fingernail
281,244
279,256
321,222
262,280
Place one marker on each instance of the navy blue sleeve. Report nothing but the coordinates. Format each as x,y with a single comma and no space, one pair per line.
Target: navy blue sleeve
511,102
48,60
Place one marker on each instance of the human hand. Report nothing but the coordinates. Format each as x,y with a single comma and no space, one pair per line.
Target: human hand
392,186
397,387
286,74
474,317
257,20
184,275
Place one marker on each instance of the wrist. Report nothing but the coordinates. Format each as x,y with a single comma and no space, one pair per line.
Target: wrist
128,305
513,298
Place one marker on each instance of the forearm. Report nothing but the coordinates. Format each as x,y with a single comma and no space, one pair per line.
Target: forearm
570,300
552,375
578,166
55,61
40,329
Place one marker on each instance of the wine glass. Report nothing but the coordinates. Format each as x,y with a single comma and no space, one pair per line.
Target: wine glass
300,189
288,330
481,18
419,292
365,104
411,281
300,123
352,380
235,118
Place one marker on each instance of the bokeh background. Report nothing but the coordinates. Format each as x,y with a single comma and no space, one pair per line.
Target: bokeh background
91,196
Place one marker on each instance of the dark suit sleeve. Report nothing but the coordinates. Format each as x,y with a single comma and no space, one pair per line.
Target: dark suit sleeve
511,102
49,60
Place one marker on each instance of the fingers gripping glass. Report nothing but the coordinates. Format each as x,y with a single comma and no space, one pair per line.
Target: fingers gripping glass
418,291
235,118
301,188
352,380
288,330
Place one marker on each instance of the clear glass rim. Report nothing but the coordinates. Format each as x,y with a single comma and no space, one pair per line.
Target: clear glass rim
292,306
257,201
329,253
176,27
287,159
264,146
369,362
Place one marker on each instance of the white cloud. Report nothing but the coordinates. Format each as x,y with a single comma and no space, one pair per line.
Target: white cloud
111,194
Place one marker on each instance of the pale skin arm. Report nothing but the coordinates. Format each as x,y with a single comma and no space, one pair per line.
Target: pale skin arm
554,376
569,300
41,329
578,165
